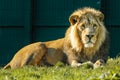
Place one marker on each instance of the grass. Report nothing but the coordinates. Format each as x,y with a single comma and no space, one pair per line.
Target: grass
110,71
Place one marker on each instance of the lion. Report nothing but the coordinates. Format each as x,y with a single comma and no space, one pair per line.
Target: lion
85,40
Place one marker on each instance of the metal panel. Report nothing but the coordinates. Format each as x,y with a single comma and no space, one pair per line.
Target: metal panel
112,12
114,40
11,12
48,33
56,12
11,39
28,20
112,21
15,27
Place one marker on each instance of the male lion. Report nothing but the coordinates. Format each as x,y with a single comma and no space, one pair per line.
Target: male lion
85,40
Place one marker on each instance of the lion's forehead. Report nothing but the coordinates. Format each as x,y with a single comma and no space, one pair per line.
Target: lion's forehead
89,20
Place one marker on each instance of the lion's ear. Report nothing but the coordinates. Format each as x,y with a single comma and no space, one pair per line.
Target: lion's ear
73,19
101,16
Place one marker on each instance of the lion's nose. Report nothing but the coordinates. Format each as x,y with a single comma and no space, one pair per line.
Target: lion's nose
89,36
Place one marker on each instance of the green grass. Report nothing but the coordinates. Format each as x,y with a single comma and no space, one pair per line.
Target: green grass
110,71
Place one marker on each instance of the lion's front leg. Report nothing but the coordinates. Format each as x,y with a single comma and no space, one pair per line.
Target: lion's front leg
72,60
72,57
99,63
74,63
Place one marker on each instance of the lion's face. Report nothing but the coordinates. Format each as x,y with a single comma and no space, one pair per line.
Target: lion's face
88,29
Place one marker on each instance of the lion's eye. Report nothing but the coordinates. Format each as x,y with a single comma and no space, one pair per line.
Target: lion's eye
94,26
83,27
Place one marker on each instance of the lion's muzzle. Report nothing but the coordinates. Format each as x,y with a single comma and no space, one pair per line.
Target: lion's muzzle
89,40
90,36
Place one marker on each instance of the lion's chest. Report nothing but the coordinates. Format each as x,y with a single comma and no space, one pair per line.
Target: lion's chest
83,57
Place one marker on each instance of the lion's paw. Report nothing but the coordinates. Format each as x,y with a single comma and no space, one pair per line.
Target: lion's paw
99,63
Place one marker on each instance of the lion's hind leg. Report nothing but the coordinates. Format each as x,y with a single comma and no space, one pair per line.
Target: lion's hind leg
36,56
29,55
7,66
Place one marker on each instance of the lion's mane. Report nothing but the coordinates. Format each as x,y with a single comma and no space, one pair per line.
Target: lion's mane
73,41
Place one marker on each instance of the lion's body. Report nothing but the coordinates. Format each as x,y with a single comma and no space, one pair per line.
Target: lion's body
85,40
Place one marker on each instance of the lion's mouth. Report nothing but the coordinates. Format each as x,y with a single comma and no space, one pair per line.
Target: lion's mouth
89,44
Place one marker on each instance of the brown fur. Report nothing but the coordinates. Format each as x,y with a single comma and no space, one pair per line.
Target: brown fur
73,48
